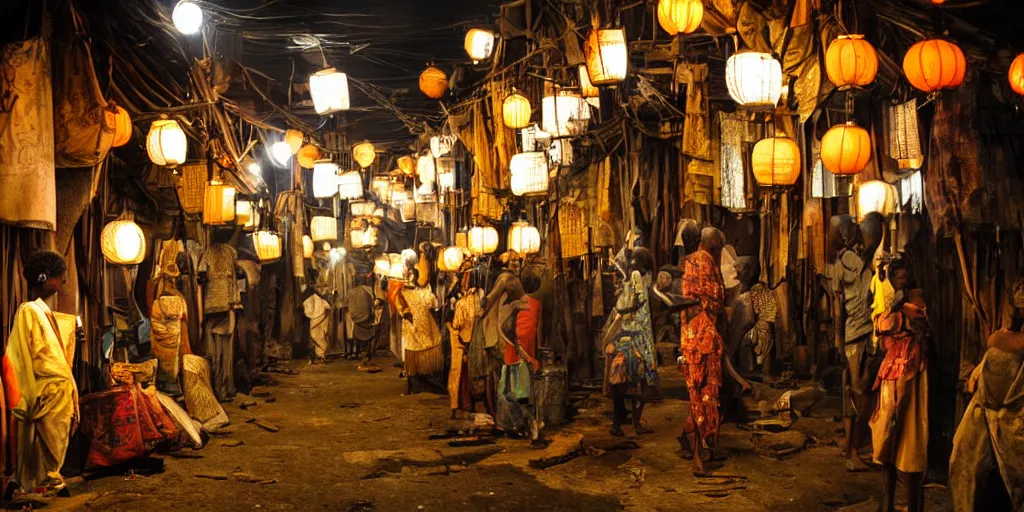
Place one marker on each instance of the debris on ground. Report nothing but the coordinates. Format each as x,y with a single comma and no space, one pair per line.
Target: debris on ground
264,424
231,443
212,476
778,445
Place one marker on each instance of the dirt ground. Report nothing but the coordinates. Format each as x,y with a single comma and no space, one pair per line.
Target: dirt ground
349,441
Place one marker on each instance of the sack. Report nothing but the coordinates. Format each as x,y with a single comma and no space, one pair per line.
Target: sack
510,415
519,380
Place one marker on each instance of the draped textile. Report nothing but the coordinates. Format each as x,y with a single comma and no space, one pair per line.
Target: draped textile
317,310
222,292
168,324
700,342
462,328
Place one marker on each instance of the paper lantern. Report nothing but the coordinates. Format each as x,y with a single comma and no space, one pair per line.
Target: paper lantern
381,265
187,17
565,114
677,16
483,240
350,185
397,268
166,143
529,173
409,257
243,212
362,209
1016,74
587,89
451,259
267,245
845,149
365,238
294,140
218,203
325,179
851,61
329,90
523,238
433,83
307,156
425,193
406,165
479,44
425,169
607,56
122,241
281,152
307,247
251,166
445,174
381,186
364,154
876,196
441,145
776,162
516,111
323,229
934,64
122,127
754,79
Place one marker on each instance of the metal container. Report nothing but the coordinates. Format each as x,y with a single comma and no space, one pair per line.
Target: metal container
552,390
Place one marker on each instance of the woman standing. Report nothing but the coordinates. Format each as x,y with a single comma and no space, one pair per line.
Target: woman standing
462,327
421,337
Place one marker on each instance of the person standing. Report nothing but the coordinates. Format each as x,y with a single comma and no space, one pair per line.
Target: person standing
462,326
360,301
421,337
221,300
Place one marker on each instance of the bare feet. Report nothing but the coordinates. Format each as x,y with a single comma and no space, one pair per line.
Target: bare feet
855,465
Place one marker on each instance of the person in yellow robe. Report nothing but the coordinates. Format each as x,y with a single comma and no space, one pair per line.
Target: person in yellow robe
41,353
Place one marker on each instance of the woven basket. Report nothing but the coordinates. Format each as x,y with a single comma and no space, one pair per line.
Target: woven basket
572,228
192,187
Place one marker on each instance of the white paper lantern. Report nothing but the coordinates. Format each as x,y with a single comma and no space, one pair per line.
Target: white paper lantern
479,44
281,152
307,247
877,196
350,185
329,90
187,17
325,179
445,174
451,259
523,238
396,267
483,240
323,229
607,56
381,265
529,173
565,114
425,169
381,186
166,143
441,145
243,212
363,238
267,245
754,79
122,242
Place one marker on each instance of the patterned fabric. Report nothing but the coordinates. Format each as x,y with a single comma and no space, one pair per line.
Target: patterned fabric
462,333
422,333
222,292
765,307
638,332
700,342
168,319
901,339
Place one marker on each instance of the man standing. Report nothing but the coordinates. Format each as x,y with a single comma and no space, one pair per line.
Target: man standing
360,301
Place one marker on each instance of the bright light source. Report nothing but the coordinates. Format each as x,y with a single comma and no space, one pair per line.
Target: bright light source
281,152
187,17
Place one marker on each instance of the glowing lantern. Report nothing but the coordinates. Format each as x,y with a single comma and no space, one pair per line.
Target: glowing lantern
851,61
122,127
445,174
433,83
362,209
323,229
754,79
267,245
479,44
483,240
587,89
441,145
410,257
363,238
381,186
350,185
523,238
677,16
1016,74
329,90
425,169
166,143
934,64
187,17
406,165
845,149
294,140
876,196
515,111
364,154
251,165
218,203
325,179
451,259
397,268
529,173
307,156
565,114
122,241
281,152
243,212
607,56
776,162
307,247
382,265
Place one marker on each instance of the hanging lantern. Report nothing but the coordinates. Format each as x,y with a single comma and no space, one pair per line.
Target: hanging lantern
251,166
397,268
934,64
445,174
243,212
307,247
483,240
587,89
329,90
406,165
381,265
607,56
479,44
904,137
776,162
218,203
441,145
451,259
187,17
364,238
350,185
323,229
516,111
523,238
425,169
363,209
267,245
529,173
754,79
381,186
325,179
122,241
307,156
851,61
876,196
122,127
677,16
846,149
1016,74
564,115
433,83
364,154
166,143
294,140
281,152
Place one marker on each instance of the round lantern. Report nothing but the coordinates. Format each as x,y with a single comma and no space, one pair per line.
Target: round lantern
565,114
396,268
483,240
364,154
523,238
845,149
122,127
876,196
1016,74
529,173
166,143
677,16
350,185
122,241
294,140
851,61
587,89
776,162
433,83
441,145
425,169
754,79
934,64
218,203
307,156
479,44
325,179
607,56
329,90
515,111
307,247
451,259
406,165
281,152
323,229
267,245
187,17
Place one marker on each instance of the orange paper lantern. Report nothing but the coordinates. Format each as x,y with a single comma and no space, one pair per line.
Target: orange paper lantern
406,165
1016,74
294,140
851,61
846,149
776,162
934,64
677,16
122,127
307,156
433,83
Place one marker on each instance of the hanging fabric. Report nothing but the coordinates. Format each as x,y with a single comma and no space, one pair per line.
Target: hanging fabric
732,129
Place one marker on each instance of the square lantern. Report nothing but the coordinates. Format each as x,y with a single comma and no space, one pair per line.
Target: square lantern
445,174
381,187
529,173
350,185
329,90
607,56
267,245
565,114
218,203
323,229
325,179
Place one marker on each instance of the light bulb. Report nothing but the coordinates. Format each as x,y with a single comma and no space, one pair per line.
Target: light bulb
187,17
281,152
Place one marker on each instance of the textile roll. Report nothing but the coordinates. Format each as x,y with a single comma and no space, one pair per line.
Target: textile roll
199,399
424,362
123,424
